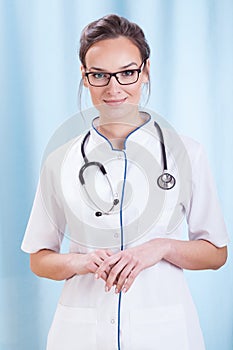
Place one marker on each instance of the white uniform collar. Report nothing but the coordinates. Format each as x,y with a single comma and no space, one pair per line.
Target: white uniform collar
139,135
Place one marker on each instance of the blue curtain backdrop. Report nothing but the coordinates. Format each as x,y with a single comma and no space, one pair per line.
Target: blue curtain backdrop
192,86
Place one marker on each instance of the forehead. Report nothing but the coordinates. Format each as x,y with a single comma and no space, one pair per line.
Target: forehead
112,54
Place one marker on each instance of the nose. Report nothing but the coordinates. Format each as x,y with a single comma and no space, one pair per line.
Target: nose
113,86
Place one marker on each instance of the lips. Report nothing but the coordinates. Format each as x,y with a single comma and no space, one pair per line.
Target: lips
115,102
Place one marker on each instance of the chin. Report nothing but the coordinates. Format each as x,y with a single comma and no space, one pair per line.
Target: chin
116,111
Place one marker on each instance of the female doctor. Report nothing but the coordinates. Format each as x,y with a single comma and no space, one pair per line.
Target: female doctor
124,283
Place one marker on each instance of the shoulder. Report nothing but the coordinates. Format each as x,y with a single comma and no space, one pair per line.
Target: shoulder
182,144
192,146
187,152
53,159
195,150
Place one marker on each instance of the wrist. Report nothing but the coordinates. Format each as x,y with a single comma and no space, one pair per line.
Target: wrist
165,246
72,263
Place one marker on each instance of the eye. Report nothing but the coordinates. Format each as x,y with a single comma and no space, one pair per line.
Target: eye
98,75
128,73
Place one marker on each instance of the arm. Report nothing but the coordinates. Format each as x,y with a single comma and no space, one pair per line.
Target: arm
49,264
194,255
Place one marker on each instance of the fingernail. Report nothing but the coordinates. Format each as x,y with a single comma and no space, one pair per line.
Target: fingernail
116,290
96,276
124,290
106,289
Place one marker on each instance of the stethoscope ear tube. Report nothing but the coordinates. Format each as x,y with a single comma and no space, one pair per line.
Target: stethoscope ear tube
86,165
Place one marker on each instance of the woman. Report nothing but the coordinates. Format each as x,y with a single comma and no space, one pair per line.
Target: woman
125,287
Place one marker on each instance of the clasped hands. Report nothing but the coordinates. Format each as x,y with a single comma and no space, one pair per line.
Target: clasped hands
121,269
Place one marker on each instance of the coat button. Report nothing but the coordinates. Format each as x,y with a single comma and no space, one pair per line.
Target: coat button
116,235
112,321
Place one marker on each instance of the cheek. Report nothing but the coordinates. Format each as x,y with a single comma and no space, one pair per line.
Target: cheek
135,91
95,95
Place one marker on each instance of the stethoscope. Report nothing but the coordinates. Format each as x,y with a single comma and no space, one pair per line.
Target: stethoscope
165,181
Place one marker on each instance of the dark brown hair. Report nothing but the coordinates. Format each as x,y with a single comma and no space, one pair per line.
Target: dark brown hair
110,27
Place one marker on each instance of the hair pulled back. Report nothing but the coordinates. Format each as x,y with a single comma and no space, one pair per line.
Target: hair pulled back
110,27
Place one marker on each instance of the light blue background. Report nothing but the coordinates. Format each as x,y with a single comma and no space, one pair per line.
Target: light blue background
192,86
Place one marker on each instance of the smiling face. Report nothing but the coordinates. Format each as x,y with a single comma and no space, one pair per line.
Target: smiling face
110,56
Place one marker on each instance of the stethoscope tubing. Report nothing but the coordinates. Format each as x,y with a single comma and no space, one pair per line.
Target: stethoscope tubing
165,181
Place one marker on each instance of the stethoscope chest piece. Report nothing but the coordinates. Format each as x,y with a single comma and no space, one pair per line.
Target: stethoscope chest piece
166,181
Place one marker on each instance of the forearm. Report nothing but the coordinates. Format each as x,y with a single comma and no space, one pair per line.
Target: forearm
52,265
193,255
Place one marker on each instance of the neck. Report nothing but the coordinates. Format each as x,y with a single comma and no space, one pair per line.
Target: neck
117,131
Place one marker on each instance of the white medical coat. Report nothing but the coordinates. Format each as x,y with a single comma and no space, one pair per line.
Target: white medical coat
157,313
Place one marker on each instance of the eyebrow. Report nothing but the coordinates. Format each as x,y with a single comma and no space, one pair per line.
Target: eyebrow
124,67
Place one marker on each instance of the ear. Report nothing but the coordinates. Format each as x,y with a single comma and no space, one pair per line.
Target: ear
84,78
146,71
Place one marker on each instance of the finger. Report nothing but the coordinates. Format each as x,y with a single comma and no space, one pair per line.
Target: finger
109,252
103,254
95,259
106,265
98,262
129,281
100,255
123,276
94,262
104,276
117,270
93,267
96,265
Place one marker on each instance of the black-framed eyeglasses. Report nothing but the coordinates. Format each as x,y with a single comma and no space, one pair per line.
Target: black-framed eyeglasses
124,77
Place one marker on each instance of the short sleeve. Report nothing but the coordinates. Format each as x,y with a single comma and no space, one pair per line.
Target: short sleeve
204,217
47,222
